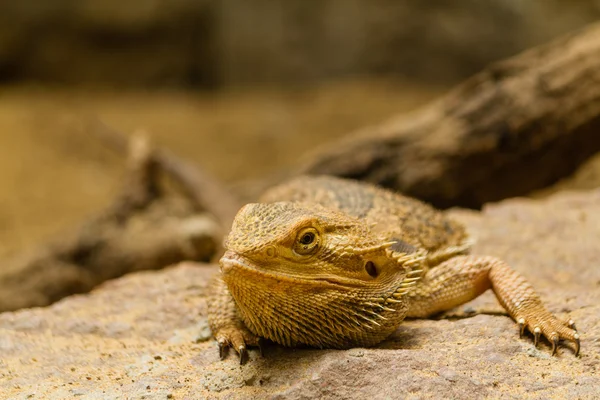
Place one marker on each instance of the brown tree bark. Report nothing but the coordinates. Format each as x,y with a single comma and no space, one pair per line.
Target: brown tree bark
519,125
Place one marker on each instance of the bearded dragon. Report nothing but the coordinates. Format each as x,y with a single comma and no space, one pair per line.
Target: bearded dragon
333,263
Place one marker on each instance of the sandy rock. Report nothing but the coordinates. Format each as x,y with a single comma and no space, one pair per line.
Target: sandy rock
146,336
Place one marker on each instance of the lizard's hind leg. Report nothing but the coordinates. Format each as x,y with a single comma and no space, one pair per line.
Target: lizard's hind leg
461,279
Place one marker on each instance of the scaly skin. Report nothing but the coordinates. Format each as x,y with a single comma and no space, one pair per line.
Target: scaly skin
333,263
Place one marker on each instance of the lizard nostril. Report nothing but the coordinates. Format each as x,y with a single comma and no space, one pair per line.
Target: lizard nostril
371,269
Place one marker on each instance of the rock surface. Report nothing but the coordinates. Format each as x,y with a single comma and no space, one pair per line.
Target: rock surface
146,335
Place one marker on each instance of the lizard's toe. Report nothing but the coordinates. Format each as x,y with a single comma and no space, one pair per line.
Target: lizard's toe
243,352
239,339
223,347
536,335
546,325
522,326
554,339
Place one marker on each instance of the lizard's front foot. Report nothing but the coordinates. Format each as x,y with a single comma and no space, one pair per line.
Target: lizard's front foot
543,323
240,338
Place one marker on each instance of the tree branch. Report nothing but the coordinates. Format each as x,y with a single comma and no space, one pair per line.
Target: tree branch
145,228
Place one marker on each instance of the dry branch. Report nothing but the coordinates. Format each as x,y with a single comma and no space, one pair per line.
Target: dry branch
145,228
204,190
519,125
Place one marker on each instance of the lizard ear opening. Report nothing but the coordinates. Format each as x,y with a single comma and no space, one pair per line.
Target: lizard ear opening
371,269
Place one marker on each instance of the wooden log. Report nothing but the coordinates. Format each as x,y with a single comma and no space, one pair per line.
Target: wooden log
519,125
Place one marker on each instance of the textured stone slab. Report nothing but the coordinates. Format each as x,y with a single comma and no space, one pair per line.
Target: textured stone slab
146,335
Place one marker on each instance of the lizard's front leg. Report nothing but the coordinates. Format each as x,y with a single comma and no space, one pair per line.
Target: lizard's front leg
463,278
226,325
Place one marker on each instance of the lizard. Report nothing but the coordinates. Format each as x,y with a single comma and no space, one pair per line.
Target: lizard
330,262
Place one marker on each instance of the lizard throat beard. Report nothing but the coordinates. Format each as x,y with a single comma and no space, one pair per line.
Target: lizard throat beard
292,311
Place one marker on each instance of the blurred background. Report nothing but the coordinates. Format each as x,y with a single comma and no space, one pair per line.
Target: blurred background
242,88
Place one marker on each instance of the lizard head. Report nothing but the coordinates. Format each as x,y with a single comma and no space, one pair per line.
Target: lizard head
291,267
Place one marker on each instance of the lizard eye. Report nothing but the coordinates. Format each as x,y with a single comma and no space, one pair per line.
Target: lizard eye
307,241
307,238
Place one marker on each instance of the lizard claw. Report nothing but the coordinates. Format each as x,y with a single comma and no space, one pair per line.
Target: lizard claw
243,352
521,323
237,338
536,336
554,340
223,347
545,324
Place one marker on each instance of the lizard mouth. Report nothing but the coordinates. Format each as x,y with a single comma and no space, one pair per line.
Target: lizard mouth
229,263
